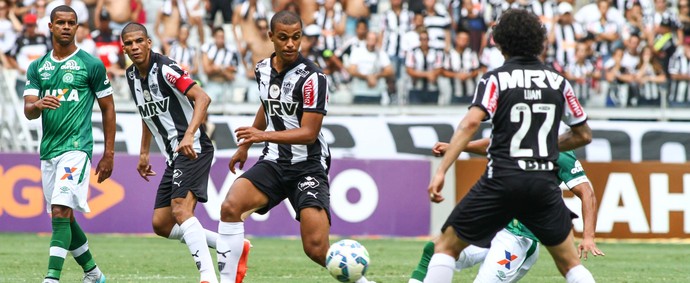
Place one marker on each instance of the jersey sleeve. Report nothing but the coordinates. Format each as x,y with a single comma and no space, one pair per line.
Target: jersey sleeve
99,82
486,95
33,84
315,93
573,113
177,77
570,170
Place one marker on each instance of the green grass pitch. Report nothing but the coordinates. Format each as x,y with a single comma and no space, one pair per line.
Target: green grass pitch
23,258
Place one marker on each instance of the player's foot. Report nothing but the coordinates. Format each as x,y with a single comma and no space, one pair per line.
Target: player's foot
50,280
242,265
94,276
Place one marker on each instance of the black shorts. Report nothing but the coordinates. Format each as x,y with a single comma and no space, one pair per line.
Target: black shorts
183,176
305,184
533,198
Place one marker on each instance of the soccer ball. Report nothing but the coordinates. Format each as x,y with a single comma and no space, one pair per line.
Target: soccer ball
347,260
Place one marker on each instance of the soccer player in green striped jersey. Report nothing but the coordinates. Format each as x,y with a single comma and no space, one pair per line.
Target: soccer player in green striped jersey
61,88
515,249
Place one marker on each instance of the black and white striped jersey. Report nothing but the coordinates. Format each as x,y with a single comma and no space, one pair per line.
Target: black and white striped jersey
182,55
394,26
164,107
286,95
526,101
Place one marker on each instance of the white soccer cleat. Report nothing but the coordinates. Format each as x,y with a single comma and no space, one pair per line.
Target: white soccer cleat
94,276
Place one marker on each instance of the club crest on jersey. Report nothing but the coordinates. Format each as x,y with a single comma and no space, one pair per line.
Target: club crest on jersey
154,108
64,94
68,78
70,65
287,88
274,91
153,87
47,66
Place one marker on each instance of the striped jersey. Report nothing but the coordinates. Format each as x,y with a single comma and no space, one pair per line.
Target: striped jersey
285,96
182,55
526,102
77,81
679,65
394,26
164,107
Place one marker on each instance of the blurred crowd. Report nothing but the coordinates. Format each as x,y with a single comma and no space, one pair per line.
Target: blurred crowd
616,53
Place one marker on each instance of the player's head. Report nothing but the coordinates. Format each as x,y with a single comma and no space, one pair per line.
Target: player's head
519,33
286,35
63,25
136,43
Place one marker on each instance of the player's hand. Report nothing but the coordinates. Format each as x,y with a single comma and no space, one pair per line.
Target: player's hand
144,169
248,135
104,168
47,102
239,156
439,149
186,147
436,186
586,246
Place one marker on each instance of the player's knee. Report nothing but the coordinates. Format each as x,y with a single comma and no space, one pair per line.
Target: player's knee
161,228
181,214
60,211
230,211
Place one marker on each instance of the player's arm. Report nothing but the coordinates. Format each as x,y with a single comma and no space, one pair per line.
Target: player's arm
576,137
307,133
33,105
479,146
466,129
144,167
201,101
105,166
585,192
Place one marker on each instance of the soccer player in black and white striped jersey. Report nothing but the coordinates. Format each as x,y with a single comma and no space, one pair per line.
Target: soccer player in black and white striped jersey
295,159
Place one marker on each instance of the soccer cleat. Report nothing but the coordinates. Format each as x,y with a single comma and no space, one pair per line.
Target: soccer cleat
50,280
242,265
94,276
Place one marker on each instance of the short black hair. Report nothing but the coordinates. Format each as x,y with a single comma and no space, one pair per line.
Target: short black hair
519,33
134,27
217,29
62,8
286,18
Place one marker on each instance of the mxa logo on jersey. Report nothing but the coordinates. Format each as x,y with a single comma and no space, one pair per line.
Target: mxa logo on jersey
308,93
279,108
60,94
154,108
509,258
525,78
308,183
68,173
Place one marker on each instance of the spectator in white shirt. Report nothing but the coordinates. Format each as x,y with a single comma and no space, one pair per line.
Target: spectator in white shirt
369,67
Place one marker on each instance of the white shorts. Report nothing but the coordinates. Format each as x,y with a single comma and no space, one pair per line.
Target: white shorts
66,180
508,259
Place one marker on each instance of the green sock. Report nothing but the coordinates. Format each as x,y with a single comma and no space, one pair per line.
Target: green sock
420,272
59,242
80,248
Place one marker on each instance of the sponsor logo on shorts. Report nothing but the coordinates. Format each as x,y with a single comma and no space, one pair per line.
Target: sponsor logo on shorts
177,173
501,275
509,258
64,190
308,183
179,184
535,165
68,173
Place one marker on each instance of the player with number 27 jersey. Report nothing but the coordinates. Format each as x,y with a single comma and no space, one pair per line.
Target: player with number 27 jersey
526,101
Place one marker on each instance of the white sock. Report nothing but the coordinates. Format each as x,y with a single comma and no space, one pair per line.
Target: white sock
230,244
362,280
440,269
211,237
579,274
196,241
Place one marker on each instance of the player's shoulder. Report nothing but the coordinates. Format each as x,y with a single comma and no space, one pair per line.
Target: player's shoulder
88,59
567,155
264,63
39,62
307,67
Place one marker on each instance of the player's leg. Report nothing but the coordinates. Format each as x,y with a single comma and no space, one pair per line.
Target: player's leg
314,229
568,263
256,190
419,272
189,185
508,259
470,256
